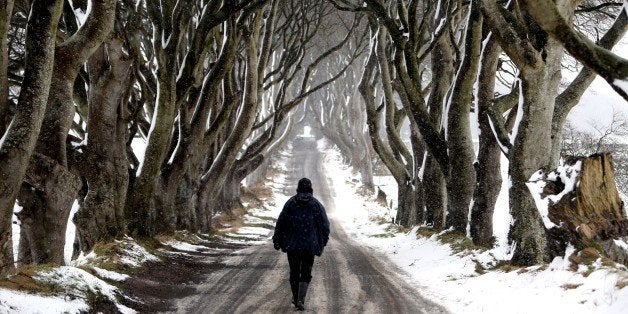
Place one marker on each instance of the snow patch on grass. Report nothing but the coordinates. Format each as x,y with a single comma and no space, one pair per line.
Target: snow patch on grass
12,301
185,246
134,255
110,275
77,283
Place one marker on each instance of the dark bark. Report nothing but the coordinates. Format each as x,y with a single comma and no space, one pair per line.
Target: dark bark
402,156
406,203
538,56
443,72
6,9
417,216
46,197
69,57
213,180
488,164
139,206
101,215
168,22
19,139
461,174
176,204
436,203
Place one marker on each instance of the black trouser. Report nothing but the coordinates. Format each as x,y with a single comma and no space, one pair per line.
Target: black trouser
300,270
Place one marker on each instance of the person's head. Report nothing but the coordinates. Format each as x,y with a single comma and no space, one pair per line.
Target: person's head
304,186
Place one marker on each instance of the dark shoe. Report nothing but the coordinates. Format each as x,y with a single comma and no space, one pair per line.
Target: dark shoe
302,293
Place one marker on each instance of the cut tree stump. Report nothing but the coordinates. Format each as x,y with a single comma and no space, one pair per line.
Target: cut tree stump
591,210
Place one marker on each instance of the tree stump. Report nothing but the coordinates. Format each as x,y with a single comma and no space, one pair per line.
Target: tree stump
585,205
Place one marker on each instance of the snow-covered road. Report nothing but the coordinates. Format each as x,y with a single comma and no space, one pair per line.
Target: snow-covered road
348,278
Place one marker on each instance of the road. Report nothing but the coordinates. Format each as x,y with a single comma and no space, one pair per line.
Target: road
347,278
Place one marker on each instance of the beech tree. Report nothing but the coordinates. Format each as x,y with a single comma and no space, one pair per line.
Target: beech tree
50,187
538,60
413,30
216,87
557,23
6,11
18,142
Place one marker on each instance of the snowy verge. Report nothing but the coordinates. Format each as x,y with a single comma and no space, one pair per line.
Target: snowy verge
474,281
79,287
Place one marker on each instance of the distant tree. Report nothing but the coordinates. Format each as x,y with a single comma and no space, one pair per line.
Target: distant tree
601,137
322,61
340,115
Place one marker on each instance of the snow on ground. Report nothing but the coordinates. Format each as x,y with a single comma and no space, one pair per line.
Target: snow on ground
73,284
12,301
75,280
111,275
71,287
451,278
184,246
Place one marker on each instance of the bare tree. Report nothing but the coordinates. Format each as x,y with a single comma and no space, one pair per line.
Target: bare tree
6,10
552,19
571,95
50,187
101,213
18,142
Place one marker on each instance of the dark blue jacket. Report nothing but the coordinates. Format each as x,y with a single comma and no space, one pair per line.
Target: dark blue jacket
302,226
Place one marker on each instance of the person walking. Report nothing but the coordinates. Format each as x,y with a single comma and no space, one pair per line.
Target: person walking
302,231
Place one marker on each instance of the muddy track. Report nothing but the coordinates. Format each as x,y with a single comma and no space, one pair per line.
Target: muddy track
348,278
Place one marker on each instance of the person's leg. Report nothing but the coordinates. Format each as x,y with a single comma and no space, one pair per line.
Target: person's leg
294,261
307,261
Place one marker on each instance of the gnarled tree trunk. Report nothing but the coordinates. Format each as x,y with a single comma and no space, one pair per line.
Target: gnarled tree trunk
488,173
443,72
101,215
20,138
51,144
6,9
46,197
461,174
